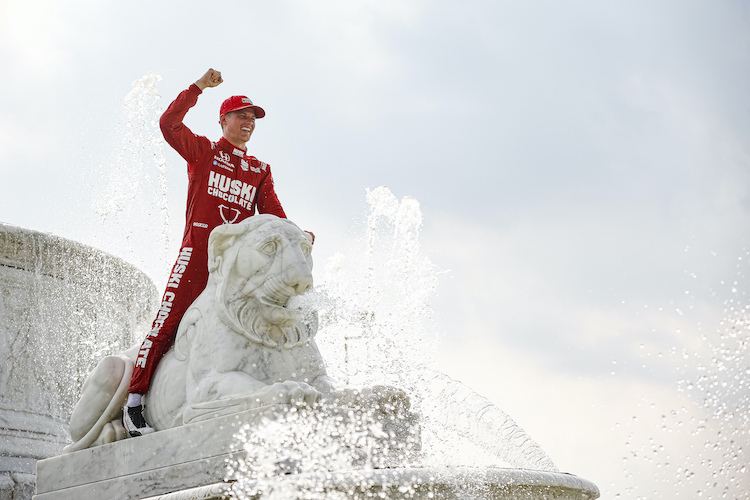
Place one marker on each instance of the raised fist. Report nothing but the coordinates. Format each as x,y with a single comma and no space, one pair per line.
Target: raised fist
212,78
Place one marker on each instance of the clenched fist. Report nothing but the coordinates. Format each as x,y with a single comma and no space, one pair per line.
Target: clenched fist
212,78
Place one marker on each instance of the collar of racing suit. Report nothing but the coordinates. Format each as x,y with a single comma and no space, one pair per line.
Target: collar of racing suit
231,148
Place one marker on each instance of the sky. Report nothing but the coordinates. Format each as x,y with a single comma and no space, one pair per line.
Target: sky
582,169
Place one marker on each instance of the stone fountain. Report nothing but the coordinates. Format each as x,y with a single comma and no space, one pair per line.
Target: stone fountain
243,405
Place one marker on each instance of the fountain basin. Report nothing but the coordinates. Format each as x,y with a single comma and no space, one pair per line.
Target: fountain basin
460,483
62,306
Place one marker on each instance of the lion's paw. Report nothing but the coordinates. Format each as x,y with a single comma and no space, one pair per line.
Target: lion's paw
288,392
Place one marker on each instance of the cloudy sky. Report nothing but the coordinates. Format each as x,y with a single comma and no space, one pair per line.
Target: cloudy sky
582,168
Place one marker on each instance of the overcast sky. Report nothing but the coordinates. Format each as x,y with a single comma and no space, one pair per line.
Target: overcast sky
582,167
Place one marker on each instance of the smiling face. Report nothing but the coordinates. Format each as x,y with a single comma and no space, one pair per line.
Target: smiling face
238,126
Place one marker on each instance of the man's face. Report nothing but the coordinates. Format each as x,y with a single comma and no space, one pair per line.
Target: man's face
238,126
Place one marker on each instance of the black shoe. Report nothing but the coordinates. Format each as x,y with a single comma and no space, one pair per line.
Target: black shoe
135,424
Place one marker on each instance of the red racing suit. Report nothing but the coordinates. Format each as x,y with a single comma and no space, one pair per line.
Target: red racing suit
225,185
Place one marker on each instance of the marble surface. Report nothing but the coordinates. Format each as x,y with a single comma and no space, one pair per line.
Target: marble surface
182,448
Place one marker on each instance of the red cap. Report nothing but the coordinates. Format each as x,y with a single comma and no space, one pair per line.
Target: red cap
237,102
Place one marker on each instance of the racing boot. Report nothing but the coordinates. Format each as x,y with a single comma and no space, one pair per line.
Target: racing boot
135,424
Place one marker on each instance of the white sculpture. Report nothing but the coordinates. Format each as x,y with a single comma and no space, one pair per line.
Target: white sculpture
238,347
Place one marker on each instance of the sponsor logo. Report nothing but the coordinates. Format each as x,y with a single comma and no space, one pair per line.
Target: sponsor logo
225,167
200,224
166,304
179,267
245,100
225,213
238,152
224,161
231,190
244,165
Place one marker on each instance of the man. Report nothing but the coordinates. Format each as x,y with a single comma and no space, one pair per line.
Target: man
225,186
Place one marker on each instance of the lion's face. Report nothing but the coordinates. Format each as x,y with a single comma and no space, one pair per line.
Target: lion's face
266,266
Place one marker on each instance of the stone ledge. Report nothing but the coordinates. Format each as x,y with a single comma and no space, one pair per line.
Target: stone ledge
167,448
417,483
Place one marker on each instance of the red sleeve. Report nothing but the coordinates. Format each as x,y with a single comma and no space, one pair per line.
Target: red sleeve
268,202
176,133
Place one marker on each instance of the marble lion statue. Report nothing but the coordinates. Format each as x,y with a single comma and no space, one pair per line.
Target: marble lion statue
239,346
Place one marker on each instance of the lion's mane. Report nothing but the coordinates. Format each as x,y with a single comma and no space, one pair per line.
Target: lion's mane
251,314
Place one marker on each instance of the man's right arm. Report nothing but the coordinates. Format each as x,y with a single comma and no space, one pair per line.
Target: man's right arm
179,136
176,133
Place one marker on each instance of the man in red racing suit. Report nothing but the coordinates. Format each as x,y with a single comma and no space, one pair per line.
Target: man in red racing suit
225,185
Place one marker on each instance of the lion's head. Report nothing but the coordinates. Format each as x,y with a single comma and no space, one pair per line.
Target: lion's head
256,266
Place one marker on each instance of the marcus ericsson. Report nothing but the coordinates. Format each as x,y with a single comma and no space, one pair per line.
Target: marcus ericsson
225,185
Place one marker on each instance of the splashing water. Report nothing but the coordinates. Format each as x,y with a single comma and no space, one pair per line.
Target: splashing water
312,445
377,299
714,417
723,389
133,207
376,328
380,305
